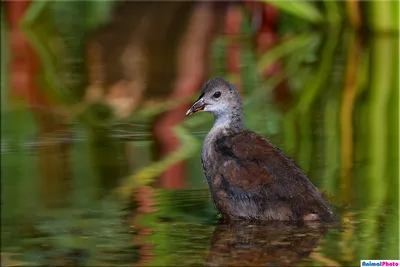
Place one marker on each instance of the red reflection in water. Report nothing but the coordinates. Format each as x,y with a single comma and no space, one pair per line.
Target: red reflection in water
146,205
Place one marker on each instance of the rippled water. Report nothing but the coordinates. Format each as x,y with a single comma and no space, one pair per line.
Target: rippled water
164,227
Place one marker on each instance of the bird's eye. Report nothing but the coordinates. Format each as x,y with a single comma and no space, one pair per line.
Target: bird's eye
217,94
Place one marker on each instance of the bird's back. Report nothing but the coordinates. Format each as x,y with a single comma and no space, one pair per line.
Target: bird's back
253,179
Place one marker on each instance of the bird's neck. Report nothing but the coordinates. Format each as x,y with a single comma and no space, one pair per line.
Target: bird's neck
224,125
228,123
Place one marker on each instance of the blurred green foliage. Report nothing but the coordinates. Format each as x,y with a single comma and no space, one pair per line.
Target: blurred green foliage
305,10
315,60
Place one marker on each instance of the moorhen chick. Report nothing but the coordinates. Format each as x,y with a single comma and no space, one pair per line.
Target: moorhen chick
249,178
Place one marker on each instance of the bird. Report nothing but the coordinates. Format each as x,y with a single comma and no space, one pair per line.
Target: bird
249,178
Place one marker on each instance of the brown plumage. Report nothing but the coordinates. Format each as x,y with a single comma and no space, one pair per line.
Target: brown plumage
249,178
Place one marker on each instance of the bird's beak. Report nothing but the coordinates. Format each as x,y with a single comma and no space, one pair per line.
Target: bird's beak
197,106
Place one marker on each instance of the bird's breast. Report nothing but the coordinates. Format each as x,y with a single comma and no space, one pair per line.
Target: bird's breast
210,158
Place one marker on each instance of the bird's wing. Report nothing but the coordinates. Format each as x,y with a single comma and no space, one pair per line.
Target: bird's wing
254,167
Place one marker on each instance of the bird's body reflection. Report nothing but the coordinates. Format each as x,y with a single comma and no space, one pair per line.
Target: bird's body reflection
269,244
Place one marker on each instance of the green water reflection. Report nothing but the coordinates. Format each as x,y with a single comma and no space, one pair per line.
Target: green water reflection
181,227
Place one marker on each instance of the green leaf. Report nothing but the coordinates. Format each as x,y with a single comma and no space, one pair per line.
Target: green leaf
290,46
302,9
